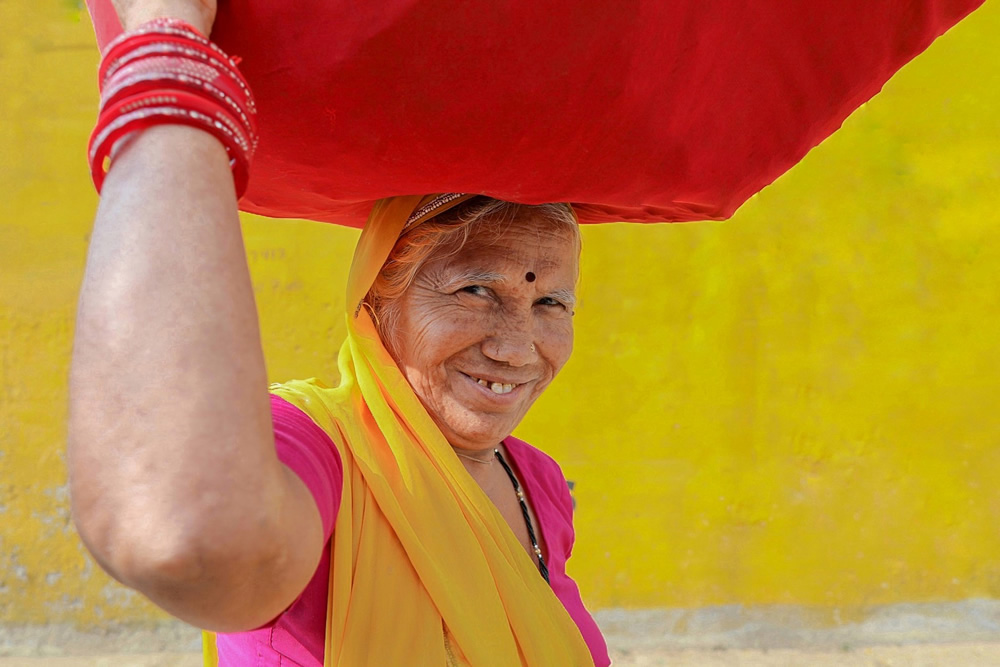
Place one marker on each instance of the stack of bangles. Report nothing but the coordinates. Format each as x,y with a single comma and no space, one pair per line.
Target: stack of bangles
166,72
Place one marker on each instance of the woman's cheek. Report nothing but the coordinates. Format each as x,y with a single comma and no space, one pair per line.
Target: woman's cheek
561,342
438,327
464,326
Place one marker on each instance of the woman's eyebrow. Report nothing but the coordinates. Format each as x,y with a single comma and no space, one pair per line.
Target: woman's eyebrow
477,276
567,296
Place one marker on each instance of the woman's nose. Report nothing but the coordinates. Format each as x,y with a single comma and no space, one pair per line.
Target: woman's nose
514,348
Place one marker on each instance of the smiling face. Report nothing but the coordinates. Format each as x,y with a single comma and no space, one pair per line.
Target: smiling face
482,332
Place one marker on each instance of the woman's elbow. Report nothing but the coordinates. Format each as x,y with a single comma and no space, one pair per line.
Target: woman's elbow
193,578
136,553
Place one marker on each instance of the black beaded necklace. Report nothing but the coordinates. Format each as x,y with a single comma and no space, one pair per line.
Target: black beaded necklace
527,517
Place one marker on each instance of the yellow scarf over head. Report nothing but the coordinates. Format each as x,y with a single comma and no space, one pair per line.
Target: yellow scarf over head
423,569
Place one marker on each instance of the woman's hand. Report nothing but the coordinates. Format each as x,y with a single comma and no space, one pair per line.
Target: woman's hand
199,13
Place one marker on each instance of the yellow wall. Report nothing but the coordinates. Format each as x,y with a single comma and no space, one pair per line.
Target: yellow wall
798,406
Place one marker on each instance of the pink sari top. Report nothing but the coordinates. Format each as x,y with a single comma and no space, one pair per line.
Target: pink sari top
296,637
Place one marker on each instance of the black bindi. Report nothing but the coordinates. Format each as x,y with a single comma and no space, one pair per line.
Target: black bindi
530,277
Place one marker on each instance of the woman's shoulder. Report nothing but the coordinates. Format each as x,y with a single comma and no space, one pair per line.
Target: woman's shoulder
303,444
301,414
543,470
320,401
528,454
295,391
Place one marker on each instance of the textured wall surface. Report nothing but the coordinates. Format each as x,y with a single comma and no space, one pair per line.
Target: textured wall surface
796,407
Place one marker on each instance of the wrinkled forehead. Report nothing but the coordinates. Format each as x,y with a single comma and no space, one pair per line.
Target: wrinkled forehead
516,246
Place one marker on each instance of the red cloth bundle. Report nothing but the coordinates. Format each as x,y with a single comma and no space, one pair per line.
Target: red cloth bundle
645,110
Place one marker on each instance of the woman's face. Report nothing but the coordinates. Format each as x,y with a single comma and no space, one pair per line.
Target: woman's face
484,331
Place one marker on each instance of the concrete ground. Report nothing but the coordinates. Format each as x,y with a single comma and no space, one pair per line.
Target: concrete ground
955,634
921,655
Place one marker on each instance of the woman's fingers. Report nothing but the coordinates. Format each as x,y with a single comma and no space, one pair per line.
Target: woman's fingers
199,13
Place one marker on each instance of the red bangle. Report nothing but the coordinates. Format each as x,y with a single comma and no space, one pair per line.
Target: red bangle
166,72
157,30
169,107
170,37
163,73
148,45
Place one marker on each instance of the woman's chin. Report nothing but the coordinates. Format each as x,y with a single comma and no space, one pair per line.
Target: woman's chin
478,440
477,433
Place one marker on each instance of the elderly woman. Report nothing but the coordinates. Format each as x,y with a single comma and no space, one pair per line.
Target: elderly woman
388,520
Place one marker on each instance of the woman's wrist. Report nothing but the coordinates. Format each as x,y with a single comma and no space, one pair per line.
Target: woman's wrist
173,146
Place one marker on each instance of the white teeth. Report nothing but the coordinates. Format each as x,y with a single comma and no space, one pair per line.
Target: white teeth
483,382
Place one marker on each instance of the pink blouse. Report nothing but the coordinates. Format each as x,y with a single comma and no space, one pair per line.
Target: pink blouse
296,637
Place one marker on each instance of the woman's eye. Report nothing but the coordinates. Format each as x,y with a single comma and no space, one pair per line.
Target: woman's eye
549,301
475,289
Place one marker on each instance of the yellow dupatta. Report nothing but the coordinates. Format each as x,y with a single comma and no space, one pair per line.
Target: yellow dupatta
423,569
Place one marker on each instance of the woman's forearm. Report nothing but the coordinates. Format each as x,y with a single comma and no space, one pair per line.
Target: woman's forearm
172,460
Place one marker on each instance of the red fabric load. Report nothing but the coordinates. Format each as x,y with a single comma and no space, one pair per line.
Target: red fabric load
641,110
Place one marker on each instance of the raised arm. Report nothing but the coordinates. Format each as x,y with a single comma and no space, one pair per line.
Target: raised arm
176,487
